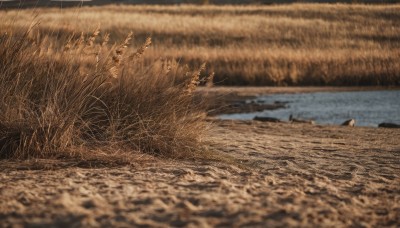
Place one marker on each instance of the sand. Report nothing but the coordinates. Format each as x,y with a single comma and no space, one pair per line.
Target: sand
281,174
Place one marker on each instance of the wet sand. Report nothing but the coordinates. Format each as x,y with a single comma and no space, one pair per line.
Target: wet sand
282,174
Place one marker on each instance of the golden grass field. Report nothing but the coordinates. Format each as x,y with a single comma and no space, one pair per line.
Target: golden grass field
297,44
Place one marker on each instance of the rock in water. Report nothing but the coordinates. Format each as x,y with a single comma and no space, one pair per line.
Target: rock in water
267,119
294,120
350,123
389,125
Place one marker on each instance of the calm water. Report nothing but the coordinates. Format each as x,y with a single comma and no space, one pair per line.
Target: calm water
368,108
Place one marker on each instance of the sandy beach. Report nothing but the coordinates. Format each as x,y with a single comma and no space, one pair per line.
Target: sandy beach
282,174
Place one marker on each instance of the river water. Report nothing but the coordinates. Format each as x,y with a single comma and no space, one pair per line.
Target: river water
368,108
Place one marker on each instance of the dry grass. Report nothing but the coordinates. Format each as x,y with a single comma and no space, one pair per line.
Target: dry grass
87,96
299,44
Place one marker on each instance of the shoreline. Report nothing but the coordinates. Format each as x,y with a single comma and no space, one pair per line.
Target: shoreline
251,91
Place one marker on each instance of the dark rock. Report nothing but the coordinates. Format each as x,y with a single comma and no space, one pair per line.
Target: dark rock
267,119
294,120
389,125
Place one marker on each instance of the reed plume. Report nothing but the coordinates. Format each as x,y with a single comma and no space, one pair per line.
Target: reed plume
195,80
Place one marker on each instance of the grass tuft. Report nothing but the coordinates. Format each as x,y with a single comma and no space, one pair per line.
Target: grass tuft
86,95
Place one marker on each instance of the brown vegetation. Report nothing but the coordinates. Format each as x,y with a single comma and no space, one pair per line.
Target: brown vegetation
299,44
64,90
86,95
